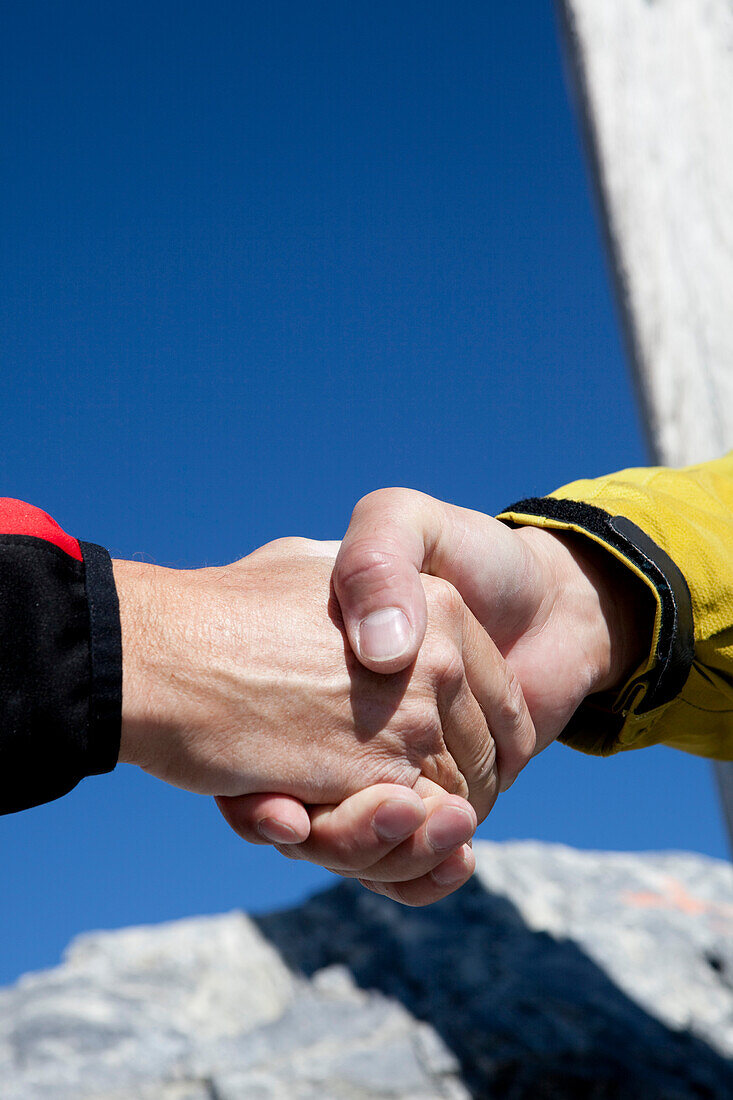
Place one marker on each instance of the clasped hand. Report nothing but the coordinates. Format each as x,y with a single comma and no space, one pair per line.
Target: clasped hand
364,710
240,680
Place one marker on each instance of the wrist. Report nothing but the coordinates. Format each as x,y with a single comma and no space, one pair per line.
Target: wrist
604,605
143,625
626,611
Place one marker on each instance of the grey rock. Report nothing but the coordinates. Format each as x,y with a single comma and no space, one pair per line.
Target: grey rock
553,974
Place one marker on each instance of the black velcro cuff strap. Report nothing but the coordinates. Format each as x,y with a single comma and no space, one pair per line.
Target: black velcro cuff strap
676,639
105,647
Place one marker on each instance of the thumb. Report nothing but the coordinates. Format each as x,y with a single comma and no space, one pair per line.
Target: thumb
376,577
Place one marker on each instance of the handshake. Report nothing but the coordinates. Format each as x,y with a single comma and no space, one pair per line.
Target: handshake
363,705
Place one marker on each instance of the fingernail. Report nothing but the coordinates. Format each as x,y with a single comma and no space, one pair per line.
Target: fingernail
384,634
396,819
453,870
276,832
449,827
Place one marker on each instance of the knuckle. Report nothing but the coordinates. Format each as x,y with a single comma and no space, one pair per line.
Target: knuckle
289,544
440,767
423,736
443,598
365,565
346,858
484,770
386,500
519,712
426,754
513,706
444,772
443,662
422,721
459,784
516,718
451,672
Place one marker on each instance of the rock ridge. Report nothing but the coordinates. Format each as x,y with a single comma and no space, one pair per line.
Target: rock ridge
555,973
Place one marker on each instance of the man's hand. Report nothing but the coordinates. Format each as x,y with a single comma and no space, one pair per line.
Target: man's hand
567,618
411,845
240,680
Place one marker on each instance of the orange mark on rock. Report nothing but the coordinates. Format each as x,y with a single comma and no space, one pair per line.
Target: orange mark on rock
674,895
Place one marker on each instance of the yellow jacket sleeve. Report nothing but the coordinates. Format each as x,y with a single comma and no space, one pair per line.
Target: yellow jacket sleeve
674,529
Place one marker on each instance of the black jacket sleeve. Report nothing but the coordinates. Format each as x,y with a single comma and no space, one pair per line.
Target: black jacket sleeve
60,659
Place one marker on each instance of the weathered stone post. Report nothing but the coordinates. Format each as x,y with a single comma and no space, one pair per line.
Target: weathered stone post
654,83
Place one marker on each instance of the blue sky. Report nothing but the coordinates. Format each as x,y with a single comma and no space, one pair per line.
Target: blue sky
259,259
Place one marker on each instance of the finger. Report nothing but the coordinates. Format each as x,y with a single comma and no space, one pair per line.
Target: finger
499,694
450,822
361,830
377,576
394,535
468,738
266,818
445,879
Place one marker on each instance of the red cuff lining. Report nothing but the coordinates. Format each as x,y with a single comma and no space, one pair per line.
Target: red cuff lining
19,518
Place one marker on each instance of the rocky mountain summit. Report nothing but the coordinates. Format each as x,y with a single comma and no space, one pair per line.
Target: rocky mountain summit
553,974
